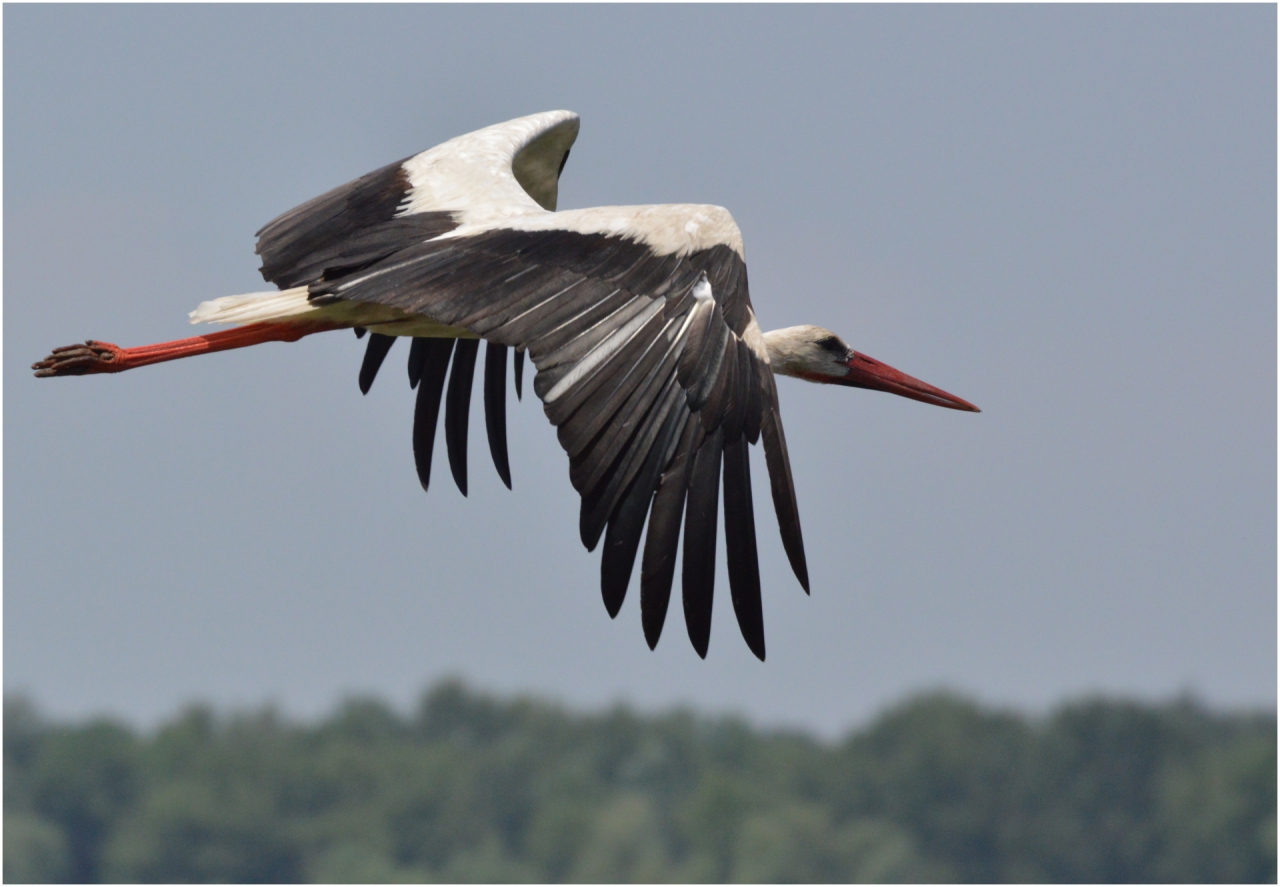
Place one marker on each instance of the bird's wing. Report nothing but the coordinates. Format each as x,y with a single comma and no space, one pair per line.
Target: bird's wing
506,170
503,171
651,366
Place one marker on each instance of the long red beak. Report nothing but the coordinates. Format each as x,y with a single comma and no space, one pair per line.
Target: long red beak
867,372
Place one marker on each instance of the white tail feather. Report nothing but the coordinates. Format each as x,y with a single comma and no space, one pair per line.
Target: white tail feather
255,307
293,305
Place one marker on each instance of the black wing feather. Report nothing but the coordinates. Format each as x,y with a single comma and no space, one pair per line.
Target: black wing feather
715,410
528,292
597,379
693,349
623,308
784,491
596,414
457,409
706,372
738,390
495,407
622,538
699,578
601,500
587,464
573,327
740,545
417,349
657,569
435,363
374,353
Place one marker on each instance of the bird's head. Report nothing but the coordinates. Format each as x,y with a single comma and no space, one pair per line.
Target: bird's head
819,355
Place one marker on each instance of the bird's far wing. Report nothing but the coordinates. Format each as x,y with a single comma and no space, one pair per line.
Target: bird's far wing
509,169
650,365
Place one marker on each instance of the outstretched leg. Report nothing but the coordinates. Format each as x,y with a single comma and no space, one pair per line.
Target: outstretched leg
103,357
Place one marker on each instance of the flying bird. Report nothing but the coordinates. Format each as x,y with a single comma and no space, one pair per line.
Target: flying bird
649,359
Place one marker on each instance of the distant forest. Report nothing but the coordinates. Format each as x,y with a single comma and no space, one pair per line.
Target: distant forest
477,789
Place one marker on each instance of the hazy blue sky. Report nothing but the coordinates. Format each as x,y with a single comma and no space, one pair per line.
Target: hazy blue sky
1064,214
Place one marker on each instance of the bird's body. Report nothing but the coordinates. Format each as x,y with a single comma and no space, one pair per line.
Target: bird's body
650,361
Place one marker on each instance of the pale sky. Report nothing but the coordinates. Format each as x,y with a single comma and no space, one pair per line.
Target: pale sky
1066,215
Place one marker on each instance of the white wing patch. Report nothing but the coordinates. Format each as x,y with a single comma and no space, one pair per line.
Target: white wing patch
679,228
471,175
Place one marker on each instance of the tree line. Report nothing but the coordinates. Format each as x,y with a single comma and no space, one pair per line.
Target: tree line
472,788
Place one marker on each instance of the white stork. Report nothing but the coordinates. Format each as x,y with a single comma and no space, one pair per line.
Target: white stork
649,359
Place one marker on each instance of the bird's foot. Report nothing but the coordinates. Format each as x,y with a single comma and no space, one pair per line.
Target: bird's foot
77,360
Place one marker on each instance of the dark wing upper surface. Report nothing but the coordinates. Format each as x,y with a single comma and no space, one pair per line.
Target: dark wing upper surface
516,164
345,229
645,368
366,220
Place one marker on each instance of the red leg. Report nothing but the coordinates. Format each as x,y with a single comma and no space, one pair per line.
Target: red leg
103,357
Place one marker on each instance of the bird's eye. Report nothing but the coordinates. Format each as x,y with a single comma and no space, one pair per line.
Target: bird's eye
832,344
